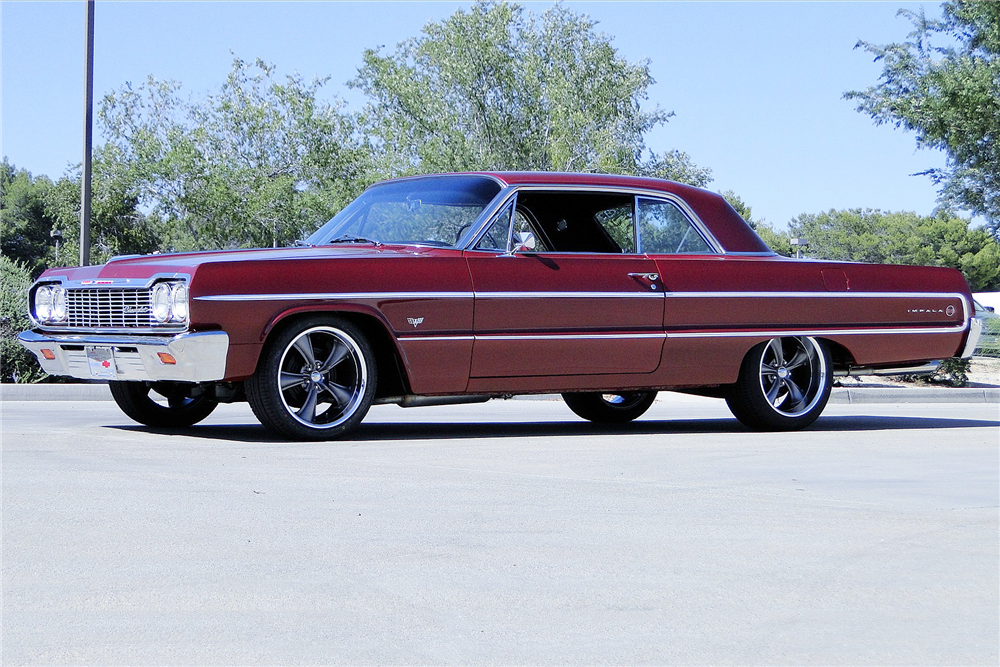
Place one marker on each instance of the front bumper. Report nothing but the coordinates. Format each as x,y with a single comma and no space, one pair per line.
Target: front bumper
197,357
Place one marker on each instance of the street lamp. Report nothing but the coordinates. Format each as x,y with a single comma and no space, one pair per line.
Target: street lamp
799,245
57,236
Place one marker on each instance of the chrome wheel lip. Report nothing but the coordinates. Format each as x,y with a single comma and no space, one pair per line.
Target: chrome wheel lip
309,375
782,371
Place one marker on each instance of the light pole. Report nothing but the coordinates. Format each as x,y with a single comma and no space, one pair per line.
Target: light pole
88,140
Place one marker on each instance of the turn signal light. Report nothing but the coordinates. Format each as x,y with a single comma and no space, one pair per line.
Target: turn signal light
166,358
48,354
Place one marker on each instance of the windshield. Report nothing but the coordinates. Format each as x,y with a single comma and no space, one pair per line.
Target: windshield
429,211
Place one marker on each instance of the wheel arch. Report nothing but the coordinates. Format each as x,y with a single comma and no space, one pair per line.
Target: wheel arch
840,355
391,370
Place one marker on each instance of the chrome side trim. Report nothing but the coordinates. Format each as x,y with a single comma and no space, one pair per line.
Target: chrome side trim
628,336
434,338
569,295
698,334
338,296
335,296
814,332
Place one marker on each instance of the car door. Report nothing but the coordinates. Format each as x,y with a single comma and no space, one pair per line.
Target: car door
543,310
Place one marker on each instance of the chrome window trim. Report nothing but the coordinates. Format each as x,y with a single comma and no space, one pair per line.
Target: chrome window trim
485,219
686,211
598,189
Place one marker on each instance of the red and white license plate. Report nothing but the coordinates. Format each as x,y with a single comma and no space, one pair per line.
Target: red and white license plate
102,362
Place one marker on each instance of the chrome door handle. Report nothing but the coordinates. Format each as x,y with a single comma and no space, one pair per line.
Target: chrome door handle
649,278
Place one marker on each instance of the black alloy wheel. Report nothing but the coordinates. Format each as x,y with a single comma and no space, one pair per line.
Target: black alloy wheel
315,380
161,404
784,384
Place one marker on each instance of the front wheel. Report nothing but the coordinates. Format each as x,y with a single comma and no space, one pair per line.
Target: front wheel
315,380
610,408
161,404
783,385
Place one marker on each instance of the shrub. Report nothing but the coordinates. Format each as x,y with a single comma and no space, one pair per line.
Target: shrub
16,363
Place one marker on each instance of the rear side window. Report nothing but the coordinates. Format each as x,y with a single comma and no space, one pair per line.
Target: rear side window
665,230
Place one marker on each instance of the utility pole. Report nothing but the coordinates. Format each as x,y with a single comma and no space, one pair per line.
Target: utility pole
88,140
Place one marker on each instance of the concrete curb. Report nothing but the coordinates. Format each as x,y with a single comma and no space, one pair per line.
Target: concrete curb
55,392
859,395
916,395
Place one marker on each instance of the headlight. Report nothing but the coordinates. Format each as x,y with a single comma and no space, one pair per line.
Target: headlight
179,302
161,302
58,304
43,303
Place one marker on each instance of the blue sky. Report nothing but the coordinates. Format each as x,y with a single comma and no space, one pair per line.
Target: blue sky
756,87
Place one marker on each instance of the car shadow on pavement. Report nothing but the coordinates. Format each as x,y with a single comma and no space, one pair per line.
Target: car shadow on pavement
379,431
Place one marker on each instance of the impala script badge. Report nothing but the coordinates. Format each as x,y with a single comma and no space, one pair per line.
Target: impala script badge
414,321
949,311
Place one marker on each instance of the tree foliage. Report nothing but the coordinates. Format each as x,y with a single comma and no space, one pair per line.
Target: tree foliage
257,163
866,235
950,97
31,209
499,88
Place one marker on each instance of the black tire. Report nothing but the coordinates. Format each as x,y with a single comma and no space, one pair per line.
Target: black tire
178,410
610,408
784,384
315,380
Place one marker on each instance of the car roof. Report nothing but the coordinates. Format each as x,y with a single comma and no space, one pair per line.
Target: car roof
731,230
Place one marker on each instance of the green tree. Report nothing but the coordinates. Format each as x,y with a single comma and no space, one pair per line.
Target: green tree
866,235
950,97
498,88
31,209
256,163
26,218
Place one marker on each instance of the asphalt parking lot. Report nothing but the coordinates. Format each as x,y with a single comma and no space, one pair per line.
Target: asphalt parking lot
503,533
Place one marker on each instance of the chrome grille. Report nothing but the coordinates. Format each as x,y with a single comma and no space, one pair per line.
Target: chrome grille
109,308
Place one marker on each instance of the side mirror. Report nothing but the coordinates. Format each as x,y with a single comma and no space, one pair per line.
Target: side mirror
523,242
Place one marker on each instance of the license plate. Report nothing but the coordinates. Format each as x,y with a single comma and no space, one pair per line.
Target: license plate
102,362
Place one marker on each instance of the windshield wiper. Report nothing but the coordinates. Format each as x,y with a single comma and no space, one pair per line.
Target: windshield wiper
299,243
347,238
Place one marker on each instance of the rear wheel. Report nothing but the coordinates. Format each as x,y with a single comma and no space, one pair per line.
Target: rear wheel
315,381
610,408
784,384
161,404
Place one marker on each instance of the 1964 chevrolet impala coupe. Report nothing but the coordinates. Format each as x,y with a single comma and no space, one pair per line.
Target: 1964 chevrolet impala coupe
465,287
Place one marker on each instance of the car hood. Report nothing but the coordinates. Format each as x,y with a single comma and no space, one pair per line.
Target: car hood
147,266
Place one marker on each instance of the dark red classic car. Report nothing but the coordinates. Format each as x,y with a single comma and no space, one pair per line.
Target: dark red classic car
465,287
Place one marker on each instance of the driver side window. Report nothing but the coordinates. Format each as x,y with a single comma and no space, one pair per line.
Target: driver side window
499,231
